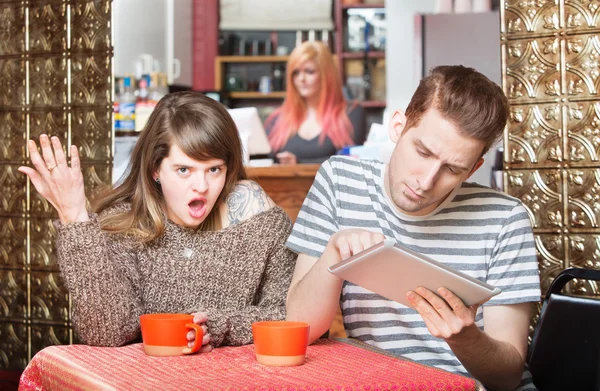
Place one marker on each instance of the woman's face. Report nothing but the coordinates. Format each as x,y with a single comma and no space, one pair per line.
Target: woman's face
190,187
307,79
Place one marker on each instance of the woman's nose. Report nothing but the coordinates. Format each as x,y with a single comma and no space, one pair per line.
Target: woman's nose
199,184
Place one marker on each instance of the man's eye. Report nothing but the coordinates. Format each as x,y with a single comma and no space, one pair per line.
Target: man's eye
183,170
215,169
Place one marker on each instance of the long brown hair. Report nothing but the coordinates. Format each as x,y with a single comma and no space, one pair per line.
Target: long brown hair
331,112
203,129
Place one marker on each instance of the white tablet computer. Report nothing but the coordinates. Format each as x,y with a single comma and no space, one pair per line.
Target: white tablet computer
391,270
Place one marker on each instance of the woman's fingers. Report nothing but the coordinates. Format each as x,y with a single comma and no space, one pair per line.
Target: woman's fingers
205,339
47,152
59,154
200,317
75,164
191,335
52,159
36,158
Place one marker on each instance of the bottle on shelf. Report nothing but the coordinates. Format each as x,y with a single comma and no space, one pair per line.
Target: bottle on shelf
299,38
127,106
278,78
163,85
117,104
367,65
325,37
143,106
157,89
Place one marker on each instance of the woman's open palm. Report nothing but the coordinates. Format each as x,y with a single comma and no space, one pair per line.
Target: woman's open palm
58,183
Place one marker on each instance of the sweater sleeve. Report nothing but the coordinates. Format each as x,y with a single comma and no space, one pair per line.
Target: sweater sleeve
234,327
100,273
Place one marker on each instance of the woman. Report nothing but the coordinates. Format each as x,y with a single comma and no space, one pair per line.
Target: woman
185,232
314,121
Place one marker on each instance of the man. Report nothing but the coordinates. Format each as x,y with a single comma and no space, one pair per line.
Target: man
421,200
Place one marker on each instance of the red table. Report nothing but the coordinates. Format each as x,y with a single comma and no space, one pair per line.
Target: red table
330,365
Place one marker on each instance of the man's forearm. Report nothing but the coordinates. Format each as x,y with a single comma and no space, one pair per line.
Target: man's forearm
315,298
497,364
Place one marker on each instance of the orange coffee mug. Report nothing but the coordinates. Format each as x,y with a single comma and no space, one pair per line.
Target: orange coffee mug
165,334
280,343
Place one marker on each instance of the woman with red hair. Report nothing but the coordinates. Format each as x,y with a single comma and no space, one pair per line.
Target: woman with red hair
315,120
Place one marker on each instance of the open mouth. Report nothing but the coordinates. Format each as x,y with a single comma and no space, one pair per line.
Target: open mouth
197,208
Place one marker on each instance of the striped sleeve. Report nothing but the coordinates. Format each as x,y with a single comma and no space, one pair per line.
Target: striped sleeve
513,266
316,221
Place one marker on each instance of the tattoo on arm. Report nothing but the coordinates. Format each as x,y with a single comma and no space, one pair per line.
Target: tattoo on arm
246,200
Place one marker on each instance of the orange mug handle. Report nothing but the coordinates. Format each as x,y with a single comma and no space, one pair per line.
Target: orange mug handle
197,341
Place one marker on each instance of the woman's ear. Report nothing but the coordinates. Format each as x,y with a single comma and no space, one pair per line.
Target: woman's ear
397,125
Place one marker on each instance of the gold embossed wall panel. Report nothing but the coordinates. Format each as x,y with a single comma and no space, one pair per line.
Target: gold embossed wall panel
551,75
56,78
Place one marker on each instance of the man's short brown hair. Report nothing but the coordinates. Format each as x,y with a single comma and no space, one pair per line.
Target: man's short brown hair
466,98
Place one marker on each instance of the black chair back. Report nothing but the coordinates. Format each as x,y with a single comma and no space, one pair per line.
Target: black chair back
565,350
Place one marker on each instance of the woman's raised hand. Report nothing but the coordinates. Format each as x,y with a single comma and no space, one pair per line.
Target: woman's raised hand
58,183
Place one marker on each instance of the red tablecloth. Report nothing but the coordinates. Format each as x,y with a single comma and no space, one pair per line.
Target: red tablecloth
330,365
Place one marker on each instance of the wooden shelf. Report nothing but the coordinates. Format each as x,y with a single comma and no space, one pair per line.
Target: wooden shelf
373,103
340,11
256,95
361,55
247,59
363,5
221,65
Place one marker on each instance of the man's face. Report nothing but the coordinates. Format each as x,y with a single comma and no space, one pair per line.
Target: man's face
428,162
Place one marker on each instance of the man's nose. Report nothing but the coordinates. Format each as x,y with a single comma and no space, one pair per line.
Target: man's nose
429,178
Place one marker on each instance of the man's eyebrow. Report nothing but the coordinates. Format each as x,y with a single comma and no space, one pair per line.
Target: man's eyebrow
420,144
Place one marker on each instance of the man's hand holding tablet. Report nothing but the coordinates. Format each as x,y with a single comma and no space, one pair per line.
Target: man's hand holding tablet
446,298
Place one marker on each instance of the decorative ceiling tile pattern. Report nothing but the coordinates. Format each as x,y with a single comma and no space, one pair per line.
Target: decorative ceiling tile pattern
56,67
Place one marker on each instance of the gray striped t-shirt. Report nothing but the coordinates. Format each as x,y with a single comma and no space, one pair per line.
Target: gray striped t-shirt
477,230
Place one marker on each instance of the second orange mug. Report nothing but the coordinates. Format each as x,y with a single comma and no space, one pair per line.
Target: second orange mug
165,334
280,343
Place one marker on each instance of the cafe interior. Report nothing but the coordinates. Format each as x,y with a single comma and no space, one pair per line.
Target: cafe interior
91,72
